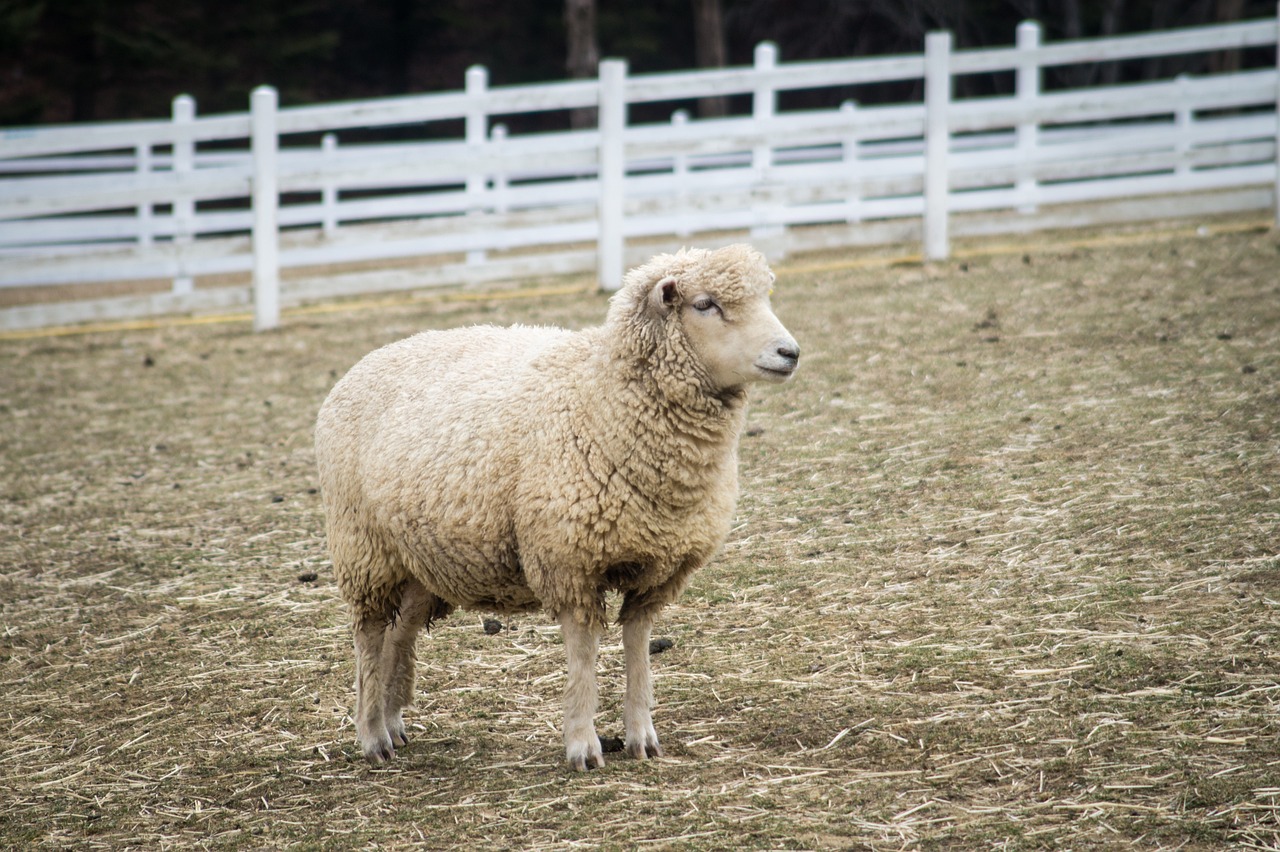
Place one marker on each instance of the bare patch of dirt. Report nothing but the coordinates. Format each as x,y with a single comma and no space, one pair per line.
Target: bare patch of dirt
1004,573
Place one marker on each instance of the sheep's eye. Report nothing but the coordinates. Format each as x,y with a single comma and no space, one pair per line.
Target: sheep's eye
706,305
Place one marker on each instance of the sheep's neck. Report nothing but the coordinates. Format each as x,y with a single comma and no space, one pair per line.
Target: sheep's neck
670,403
665,453
657,357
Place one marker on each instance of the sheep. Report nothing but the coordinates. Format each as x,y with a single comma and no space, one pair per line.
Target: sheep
507,469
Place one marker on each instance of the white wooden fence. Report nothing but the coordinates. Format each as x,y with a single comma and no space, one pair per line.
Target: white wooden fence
192,197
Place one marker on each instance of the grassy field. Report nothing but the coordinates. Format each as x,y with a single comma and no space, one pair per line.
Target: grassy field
1005,575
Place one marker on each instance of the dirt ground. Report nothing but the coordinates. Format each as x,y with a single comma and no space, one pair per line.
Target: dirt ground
1005,575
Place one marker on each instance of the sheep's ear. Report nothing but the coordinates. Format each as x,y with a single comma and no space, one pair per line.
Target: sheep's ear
662,298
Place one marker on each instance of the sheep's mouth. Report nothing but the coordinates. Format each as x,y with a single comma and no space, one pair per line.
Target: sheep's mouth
776,374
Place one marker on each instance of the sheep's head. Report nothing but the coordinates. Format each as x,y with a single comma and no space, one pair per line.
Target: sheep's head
715,306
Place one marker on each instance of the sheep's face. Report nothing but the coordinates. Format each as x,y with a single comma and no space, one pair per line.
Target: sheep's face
726,316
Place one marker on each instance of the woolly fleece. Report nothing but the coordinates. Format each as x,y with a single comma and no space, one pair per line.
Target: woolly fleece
507,468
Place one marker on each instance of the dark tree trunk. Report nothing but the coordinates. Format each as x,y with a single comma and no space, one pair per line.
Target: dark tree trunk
1112,14
85,40
1225,61
710,52
583,61
401,46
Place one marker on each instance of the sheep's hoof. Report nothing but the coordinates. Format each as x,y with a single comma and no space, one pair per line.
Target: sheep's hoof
641,752
395,730
585,755
644,748
379,751
380,756
642,739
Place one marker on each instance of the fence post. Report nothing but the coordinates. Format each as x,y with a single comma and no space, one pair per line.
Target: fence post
1027,92
184,206
1276,197
613,171
680,171
266,201
852,168
1182,120
477,131
146,229
937,137
329,191
764,102
498,138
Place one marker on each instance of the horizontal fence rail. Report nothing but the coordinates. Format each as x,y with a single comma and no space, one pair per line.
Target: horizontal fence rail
232,201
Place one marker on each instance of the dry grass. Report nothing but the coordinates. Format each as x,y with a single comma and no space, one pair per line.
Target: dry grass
1005,575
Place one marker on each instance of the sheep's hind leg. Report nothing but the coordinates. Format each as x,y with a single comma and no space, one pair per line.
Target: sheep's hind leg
642,739
371,689
417,608
581,643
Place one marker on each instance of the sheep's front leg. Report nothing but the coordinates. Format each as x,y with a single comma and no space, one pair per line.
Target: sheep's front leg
581,644
642,739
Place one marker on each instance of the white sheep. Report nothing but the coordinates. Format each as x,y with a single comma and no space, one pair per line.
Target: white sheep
510,468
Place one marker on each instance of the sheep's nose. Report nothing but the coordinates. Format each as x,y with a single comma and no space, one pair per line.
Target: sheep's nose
790,352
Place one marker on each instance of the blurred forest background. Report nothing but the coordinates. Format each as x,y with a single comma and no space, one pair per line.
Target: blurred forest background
100,60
